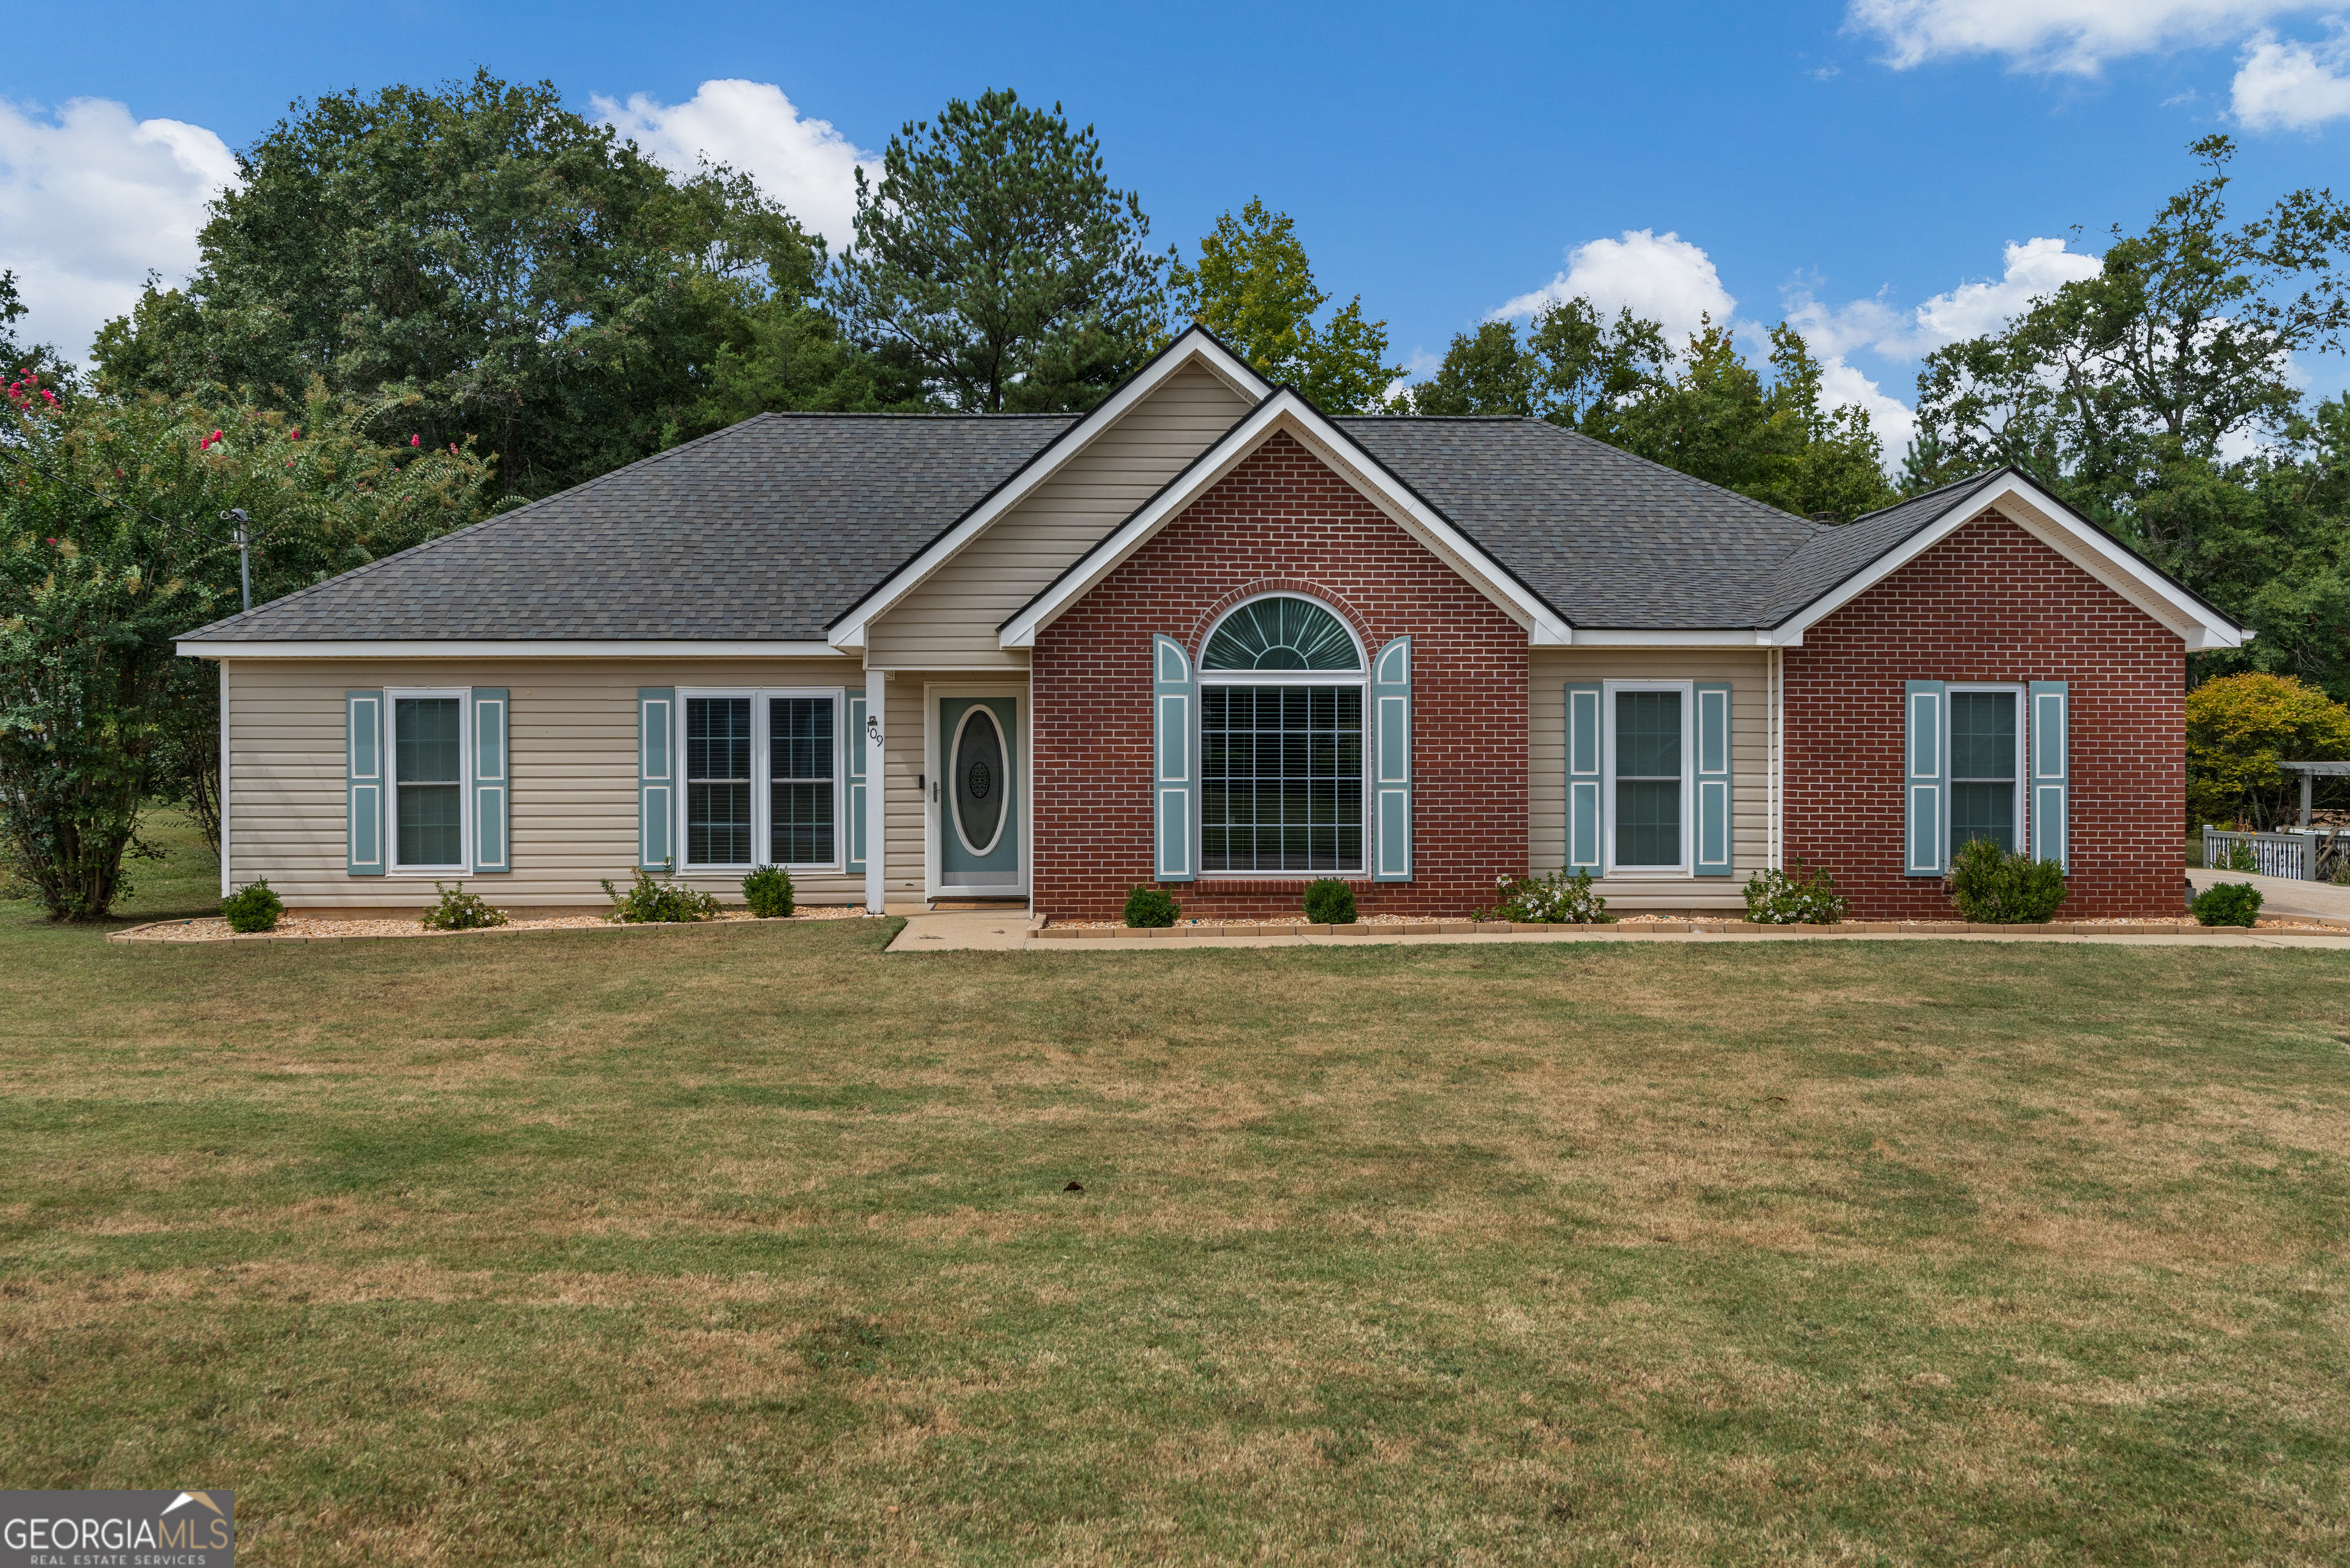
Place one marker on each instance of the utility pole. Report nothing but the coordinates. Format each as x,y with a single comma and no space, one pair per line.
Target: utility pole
243,559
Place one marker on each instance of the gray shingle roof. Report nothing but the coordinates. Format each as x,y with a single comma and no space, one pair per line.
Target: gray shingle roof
762,532
770,529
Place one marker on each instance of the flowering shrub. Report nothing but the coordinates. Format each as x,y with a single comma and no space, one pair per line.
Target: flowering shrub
1800,894
252,908
459,911
768,892
1557,899
648,903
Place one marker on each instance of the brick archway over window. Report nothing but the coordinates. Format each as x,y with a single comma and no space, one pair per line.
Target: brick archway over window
1195,640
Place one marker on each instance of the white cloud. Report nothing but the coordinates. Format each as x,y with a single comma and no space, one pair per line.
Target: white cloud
91,201
751,127
2076,36
2035,268
2285,85
1660,277
1890,417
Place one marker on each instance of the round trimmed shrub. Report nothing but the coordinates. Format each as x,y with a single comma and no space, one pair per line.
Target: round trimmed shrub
1991,886
1329,902
1150,907
2226,904
252,908
768,892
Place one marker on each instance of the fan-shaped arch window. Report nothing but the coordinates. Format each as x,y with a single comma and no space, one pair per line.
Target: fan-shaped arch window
1278,632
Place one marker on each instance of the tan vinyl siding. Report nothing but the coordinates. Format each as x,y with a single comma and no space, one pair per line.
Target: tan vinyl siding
906,766
572,727
1550,670
951,621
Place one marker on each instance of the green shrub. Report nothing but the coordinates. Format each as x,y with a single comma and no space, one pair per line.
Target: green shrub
2241,857
1329,902
1150,907
1991,886
1800,895
459,911
252,908
2226,904
1557,899
768,892
648,903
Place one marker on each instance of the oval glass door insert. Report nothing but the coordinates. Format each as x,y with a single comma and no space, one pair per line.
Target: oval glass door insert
979,791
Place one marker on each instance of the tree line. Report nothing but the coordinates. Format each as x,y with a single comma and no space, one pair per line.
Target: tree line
421,306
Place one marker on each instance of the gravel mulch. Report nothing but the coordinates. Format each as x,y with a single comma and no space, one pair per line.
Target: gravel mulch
213,929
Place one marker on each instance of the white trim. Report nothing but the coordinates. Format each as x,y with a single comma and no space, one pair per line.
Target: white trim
1643,637
1287,413
463,782
848,632
1686,869
1950,781
518,647
1361,679
877,805
762,783
2057,525
224,754
934,770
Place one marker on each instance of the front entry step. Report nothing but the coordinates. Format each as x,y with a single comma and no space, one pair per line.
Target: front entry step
952,904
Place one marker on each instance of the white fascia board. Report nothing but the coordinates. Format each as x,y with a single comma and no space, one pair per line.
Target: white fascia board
1287,411
849,632
2056,524
1623,637
479,648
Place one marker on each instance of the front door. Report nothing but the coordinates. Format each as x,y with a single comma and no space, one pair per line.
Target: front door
977,799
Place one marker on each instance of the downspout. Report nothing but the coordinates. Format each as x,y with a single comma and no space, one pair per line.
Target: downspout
223,802
1777,726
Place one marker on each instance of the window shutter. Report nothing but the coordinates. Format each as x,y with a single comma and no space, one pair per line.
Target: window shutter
1922,770
853,758
1583,793
1713,813
1391,751
491,808
363,781
2052,775
656,776
1175,781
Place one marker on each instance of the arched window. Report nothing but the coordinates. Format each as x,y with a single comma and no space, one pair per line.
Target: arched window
1282,706
1279,632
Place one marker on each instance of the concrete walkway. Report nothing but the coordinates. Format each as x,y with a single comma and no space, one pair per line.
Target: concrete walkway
2282,894
1013,931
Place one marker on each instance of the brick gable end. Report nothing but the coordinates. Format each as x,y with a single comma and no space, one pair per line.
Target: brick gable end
1280,520
1991,603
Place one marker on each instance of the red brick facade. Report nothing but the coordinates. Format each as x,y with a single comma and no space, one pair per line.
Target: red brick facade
1990,603
1280,521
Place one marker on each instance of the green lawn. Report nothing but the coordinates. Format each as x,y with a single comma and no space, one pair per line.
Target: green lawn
749,1243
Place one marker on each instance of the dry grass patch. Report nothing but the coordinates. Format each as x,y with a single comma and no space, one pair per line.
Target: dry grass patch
747,1243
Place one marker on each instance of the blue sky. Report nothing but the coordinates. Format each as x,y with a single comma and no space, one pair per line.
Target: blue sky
1846,162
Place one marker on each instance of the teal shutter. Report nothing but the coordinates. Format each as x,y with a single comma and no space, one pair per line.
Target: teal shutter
491,806
1391,751
1583,781
2052,775
854,756
1922,770
363,781
656,776
1175,790
1713,813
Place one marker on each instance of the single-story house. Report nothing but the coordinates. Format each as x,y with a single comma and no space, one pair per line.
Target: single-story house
1208,638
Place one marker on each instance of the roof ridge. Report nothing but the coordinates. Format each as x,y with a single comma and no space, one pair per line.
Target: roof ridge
1975,478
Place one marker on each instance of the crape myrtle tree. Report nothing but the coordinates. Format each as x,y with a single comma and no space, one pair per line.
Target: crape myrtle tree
478,262
2158,398
34,364
1254,288
112,545
996,264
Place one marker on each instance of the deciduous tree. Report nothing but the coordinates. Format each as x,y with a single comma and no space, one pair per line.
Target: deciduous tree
1254,288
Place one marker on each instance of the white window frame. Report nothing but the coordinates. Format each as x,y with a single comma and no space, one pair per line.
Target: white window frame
762,783
393,697
1204,677
1610,866
2020,779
